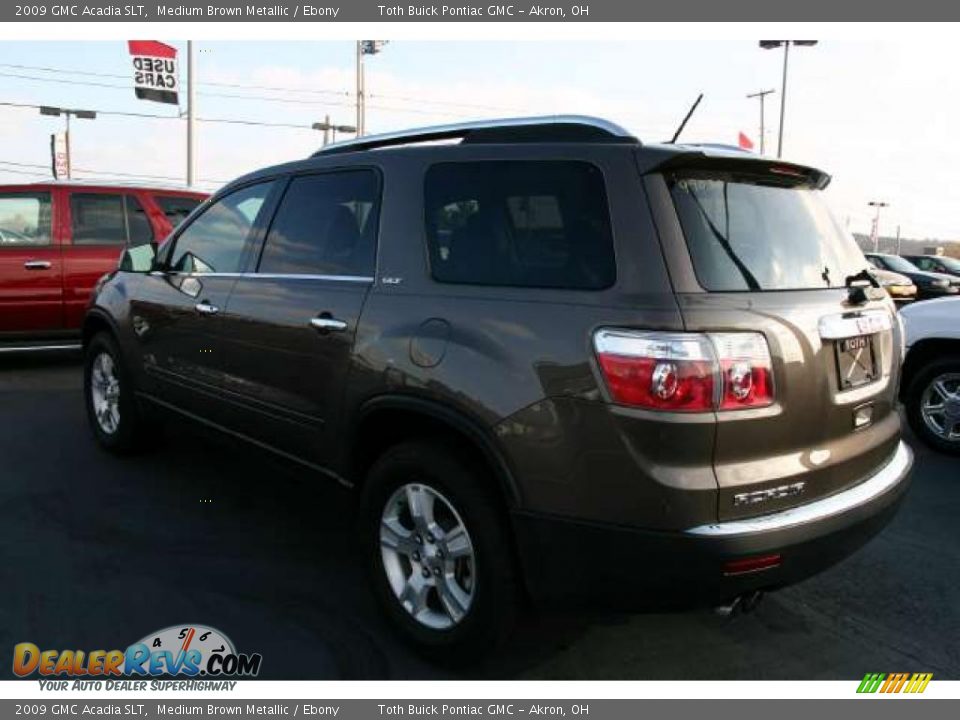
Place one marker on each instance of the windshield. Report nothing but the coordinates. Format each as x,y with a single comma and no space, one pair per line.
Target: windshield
898,264
952,264
746,233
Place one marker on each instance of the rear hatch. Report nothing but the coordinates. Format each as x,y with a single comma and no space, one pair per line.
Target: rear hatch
762,254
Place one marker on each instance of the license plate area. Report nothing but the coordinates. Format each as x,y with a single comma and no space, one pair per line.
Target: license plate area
856,361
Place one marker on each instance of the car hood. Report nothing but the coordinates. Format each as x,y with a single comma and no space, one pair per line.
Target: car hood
888,277
932,319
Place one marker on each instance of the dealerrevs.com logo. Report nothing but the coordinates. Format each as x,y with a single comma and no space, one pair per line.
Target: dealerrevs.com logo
190,650
887,683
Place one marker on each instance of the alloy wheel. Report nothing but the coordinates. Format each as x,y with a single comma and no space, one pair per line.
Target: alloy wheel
105,392
940,406
428,556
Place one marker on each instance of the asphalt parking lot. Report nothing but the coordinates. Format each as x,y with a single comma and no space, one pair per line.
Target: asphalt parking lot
97,552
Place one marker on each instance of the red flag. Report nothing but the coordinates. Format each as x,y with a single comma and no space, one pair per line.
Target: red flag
745,142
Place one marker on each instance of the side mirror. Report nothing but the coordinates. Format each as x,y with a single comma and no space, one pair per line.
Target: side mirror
139,259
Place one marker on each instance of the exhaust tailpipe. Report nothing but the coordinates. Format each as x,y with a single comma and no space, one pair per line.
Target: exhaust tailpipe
741,604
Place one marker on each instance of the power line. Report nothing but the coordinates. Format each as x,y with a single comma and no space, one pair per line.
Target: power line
346,94
154,116
92,171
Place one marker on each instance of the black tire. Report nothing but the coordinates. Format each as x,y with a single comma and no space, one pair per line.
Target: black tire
471,493
131,432
914,396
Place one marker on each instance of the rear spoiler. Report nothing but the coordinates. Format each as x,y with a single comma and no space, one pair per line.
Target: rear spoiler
668,159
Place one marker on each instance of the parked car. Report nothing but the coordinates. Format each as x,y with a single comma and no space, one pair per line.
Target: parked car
900,288
58,238
556,364
929,284
943,264
931,375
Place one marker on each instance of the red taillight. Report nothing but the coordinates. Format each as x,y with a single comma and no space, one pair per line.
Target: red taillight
685,372
746,369
682,385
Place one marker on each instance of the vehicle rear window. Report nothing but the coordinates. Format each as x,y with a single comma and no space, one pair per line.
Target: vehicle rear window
24,219
176,208
747,233
539,224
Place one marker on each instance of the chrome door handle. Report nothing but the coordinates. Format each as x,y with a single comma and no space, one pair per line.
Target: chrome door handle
328,323
37,265
205,308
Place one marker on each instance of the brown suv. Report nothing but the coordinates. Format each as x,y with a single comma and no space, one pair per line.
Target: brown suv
556,363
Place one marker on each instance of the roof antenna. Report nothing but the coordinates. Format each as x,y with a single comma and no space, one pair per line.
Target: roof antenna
684,123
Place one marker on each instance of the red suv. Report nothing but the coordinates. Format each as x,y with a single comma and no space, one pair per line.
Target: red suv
57,239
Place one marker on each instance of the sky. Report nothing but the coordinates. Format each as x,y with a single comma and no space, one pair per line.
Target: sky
879,116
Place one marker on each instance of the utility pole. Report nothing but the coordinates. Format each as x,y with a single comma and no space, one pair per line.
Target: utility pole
876,222
761,95
364,47
770,45
898,239
359,87
191,117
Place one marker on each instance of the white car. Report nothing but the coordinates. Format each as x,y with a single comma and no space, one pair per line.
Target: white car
930,386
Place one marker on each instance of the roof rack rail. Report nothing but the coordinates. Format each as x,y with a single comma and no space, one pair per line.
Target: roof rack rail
545,128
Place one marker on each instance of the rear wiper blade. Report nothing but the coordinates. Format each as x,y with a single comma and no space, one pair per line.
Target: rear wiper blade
865,275
859,294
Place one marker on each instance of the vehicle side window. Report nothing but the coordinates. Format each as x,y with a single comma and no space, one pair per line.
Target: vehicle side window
215,240
139,229
24,219
176,208
325,225
519,223
98,219
109,219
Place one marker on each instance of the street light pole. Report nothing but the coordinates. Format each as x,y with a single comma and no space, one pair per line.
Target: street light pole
327,128
762,96
783,98
67,113
876,222
769,45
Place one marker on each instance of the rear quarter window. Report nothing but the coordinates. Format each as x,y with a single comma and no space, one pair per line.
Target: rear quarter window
176,208
542,224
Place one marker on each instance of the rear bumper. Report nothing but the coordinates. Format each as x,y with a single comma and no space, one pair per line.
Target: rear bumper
572,563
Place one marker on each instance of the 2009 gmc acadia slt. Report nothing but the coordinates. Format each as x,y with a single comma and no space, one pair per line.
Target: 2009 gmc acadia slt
557,363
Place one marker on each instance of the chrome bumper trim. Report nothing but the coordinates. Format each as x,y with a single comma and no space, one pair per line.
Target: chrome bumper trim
37,348
889,476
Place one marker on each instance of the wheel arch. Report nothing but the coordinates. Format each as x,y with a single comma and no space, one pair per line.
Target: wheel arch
97,321
920,354
388,419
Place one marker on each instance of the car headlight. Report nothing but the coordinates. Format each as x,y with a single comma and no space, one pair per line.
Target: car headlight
941,283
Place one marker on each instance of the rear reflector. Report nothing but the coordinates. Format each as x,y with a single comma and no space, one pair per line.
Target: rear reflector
751,564
685,372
